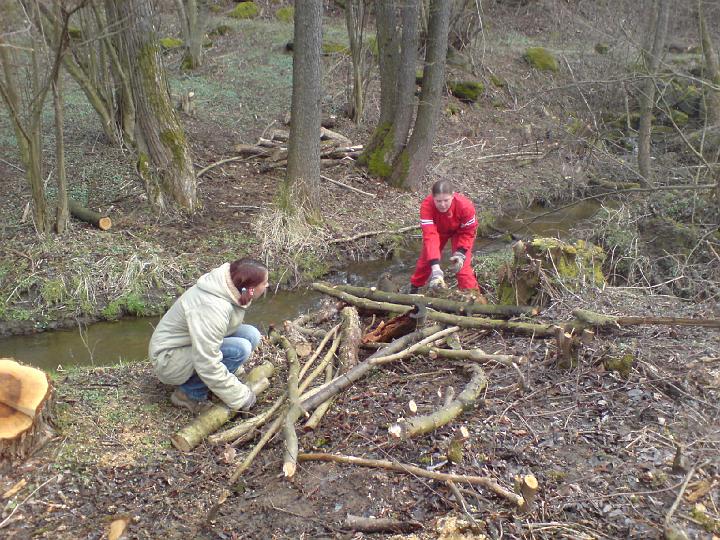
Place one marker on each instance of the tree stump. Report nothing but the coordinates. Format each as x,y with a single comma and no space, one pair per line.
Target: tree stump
26,410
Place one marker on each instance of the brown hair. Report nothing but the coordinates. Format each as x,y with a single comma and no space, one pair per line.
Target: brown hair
442,187
246,273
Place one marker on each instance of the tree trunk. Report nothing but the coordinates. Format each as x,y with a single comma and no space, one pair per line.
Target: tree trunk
164,160
193,17
409,168
657,30
712,68
388,58
62,213
303,169
355,23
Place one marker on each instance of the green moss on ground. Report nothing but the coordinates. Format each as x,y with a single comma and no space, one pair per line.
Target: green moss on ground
541,59
245,10
469,91
285,14
169,43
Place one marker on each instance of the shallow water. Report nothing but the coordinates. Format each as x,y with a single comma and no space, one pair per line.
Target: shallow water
108,343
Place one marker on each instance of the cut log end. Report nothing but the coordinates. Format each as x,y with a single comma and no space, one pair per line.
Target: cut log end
181,443
26,410
104,224
396,430
289,469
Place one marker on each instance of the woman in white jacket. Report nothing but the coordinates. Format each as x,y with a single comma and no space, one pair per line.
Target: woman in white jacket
201,342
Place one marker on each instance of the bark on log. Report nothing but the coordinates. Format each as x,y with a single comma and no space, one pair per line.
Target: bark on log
27,408
487,483
420,425
440,304
610,321
350,336
100,221
398,326
537,330
210,421
320,411
375,525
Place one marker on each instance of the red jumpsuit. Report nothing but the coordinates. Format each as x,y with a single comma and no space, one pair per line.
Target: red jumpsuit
459,226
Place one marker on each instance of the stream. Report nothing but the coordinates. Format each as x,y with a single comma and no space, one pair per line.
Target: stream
126,340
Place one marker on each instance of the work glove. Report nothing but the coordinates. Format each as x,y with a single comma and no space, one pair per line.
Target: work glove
456,262
436,278
252,398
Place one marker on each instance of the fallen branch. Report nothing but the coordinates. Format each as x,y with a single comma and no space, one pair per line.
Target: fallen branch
375,525
439,304
330,333
345,380
269,432
356,190
420,425
321,409
210,421
350,334
294,411
537,330
101,221
606,321
373,233
487,483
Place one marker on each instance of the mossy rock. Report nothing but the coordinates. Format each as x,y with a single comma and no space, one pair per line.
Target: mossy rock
467,91
285,14
541,59
602,48
499,82
221,30
333,47
245,10
622,365
169,43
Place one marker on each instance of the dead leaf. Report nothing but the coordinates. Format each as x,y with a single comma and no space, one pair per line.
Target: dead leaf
229,454
303,349
13,490
117,528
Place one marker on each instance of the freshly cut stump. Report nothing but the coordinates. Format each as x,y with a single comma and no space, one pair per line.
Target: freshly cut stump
26,410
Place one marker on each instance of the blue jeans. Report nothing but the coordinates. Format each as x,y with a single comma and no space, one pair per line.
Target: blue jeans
235,349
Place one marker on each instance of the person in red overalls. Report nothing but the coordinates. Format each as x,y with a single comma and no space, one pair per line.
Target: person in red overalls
446,215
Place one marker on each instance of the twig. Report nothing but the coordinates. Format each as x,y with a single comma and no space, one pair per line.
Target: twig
6,521
373,233
356,190
218,163
461,501
680,494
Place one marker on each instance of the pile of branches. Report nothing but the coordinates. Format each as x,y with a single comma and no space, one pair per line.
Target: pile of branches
421,325
273,149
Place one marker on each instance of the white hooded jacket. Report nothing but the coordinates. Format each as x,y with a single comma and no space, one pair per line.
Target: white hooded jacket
189,335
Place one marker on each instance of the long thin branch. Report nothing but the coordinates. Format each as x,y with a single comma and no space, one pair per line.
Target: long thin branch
487,483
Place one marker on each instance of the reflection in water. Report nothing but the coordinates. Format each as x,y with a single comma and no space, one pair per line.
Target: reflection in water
111,342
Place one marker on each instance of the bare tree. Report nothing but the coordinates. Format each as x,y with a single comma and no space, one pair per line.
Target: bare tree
29,69
193,16
651,55
164,160
712,69
355,20
397,44
303,170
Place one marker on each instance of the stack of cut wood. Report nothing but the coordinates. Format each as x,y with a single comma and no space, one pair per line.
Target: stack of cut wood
273,149
26,410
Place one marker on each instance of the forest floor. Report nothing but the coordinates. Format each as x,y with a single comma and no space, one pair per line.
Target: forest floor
602,446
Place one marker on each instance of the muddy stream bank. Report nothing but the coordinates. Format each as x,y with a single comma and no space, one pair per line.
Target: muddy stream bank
126,340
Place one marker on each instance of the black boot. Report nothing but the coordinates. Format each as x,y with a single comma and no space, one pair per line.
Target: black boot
413,289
